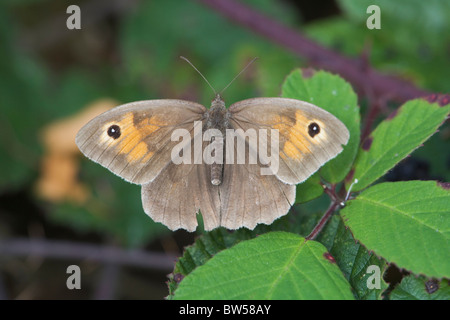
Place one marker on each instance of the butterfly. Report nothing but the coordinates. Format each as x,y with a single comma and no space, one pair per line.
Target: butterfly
136,142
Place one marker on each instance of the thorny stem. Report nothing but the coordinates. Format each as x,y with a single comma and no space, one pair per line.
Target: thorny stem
335,203
74,250
331,191
323,221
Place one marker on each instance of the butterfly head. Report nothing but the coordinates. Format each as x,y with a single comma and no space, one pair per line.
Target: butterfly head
217,100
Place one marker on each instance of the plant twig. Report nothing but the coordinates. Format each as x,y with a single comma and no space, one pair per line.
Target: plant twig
3,294
72,250
106,287
323,221
382,85
335,203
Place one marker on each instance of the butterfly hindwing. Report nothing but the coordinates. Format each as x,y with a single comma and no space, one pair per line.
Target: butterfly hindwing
181,191
248,197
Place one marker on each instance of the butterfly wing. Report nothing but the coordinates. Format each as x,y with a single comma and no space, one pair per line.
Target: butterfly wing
308,136
248,197
179,192
134,140
243,199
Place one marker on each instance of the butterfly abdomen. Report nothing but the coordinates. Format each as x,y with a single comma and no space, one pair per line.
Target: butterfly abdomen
217,118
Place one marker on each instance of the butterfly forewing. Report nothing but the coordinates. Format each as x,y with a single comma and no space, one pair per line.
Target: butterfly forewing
134,140
308,135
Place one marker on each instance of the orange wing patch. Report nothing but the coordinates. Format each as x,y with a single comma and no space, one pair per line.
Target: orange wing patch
298,142
131,140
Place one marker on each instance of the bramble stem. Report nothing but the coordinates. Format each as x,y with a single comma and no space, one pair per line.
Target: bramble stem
323,221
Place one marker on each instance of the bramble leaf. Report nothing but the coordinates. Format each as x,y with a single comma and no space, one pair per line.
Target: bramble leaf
276,265
406,223
356,262
395,138
310,189
421,288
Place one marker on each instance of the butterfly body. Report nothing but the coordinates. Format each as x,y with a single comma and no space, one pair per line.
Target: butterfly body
135,142
217,117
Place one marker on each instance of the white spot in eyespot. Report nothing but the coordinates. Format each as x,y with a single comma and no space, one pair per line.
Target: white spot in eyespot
104,137
334,92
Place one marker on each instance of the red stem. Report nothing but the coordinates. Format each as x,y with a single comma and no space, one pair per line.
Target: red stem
323,221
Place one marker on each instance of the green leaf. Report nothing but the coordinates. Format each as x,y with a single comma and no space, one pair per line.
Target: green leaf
310,189
395,138
276,265
210,243
207,246
421,288
406,223
354,261
334,94
204,248
351,257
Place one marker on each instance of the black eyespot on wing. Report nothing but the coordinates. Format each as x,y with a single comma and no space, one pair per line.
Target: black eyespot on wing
114,131
313,129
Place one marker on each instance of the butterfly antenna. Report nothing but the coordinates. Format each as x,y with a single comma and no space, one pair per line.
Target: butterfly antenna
245,68
186,59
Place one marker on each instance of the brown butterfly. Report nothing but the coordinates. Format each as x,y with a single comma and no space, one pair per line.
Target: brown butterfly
135,141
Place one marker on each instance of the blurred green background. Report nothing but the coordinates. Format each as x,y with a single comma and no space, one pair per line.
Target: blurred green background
128,51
